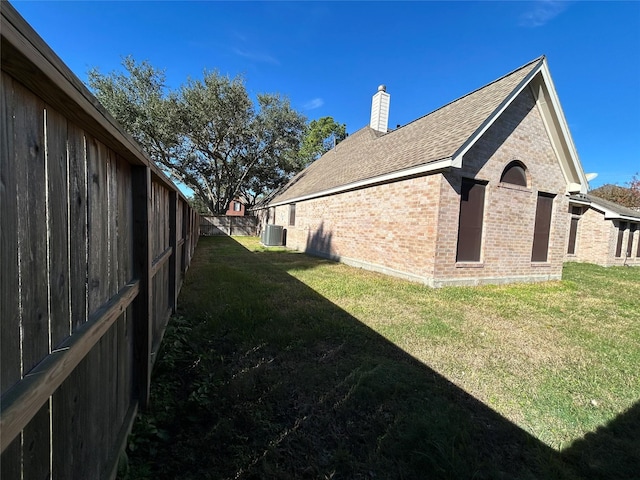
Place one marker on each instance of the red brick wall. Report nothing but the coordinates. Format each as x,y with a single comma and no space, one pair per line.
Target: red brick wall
386,227
234,213
510,210
409,228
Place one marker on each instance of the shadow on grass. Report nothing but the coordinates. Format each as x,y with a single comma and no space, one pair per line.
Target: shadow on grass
260,377
612,451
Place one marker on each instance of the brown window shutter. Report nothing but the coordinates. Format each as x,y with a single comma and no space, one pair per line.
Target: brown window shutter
621,228
572,236
470,221
542,228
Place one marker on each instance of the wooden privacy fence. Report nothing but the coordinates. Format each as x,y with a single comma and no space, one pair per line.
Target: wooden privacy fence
95,241
228,225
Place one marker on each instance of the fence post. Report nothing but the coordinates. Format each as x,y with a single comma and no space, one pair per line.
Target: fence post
174,269
142,306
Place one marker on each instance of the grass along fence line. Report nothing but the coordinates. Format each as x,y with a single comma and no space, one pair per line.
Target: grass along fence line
280,365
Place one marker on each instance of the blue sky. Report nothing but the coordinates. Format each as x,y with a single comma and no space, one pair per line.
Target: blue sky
330,57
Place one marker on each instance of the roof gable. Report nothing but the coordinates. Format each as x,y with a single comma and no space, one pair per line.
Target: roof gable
435,141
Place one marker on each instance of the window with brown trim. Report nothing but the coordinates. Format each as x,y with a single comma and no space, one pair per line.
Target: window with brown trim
515,173
621,228
542,228
470,221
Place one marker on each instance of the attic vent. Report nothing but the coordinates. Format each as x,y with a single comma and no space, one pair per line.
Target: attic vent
380,110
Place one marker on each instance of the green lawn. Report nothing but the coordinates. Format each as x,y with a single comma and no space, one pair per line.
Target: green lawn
280,366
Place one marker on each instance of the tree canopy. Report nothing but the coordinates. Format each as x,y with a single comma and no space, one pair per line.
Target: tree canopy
626,196
321,136
209,134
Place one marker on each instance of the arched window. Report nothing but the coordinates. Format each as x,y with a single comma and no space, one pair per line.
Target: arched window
515,173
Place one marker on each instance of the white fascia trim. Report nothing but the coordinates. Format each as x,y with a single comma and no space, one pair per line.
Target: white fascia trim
409,172
611,215
555,101
457,157
617,216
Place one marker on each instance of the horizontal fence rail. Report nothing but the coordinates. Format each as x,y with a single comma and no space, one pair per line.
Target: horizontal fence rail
95,242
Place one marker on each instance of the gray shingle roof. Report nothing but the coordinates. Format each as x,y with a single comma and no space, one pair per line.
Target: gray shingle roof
611,206
368,154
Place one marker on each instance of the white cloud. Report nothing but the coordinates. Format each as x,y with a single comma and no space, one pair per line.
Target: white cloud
542,12
313,104
257,56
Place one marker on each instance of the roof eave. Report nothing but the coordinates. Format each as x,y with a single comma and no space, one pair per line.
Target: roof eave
426,168
617,216
608,213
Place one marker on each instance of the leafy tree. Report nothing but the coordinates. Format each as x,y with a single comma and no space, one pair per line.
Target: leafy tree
625,196
320,136
198,205
634,184
141,103
208,135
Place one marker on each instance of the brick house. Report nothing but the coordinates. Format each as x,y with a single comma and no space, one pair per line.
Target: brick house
603,232
475,192
236,208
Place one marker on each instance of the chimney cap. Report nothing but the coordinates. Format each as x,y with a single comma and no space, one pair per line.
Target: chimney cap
382,88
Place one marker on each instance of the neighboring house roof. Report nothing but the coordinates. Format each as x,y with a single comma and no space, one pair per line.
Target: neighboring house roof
610,209
436,141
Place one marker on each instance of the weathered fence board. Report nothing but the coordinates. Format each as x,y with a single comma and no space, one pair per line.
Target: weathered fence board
95,241
57,219
9,302
77,224
98,233
32,262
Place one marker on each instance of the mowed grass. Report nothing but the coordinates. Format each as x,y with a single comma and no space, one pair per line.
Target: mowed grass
280,365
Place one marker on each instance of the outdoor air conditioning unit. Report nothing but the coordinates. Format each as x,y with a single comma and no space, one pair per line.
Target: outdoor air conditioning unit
272,236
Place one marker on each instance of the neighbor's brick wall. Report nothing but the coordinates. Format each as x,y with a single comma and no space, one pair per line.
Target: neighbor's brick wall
594,239
390,226
611,253
597,239
509,214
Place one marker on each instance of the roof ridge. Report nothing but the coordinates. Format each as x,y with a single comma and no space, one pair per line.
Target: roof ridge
540,58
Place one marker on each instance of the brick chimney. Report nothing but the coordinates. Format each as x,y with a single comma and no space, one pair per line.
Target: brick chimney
380,110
